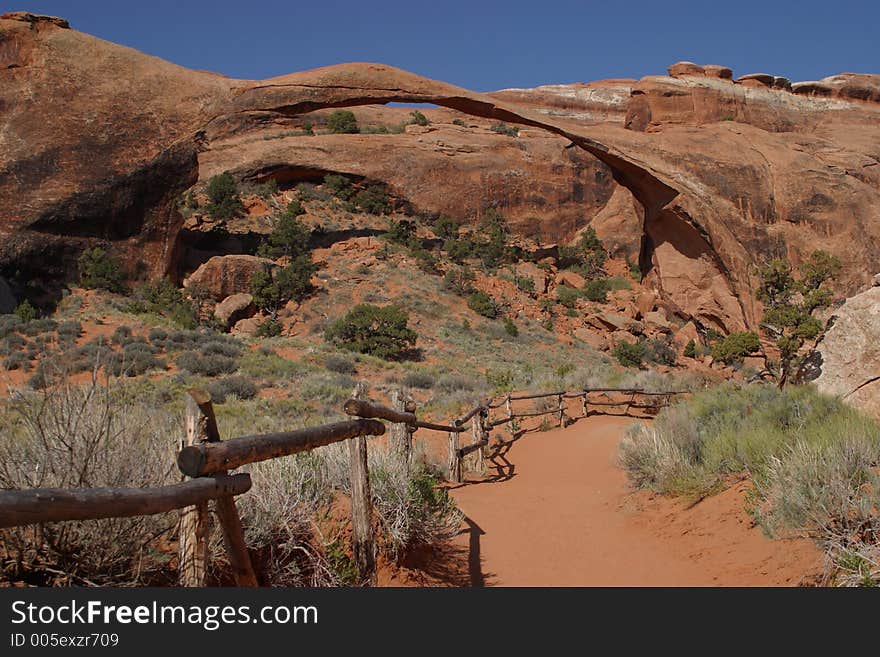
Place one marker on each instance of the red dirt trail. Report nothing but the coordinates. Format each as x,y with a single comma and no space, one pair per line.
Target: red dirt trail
567,517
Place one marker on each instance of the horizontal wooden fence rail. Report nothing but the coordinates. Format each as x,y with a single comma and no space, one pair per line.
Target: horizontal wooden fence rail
27,507
208,458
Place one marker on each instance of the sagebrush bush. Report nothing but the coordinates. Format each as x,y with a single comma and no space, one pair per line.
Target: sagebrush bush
206,364
418,379
339,364
813,461
231,386
84,437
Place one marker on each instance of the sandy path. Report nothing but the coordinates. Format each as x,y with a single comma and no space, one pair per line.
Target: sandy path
568,518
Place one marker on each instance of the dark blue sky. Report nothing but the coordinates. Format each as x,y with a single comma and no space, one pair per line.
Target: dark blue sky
491,45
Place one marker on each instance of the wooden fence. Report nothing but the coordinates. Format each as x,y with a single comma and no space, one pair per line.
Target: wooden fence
205,461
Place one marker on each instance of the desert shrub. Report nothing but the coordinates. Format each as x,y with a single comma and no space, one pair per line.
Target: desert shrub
568,296
8,324
587,256
459,280
596,290
690,349
813,462
39,327
121,335
230,348
400,232
446,228
89,357
373,200
378,331
162,297
98,270
342,122
270,328
17,361
70,329
500,380
660,351
338,186
789,304
26,312
417,118
158,336
412,509
206,364
629,354
460,249
449,383
340,365
459,122
510,328
418,379
272,289
231,386
265,190
279,521
85,437
736,346
524,284
224,201
503,129
493,249
482,304
290,236
136,358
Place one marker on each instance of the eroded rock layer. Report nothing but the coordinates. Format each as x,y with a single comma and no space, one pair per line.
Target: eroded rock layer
98,142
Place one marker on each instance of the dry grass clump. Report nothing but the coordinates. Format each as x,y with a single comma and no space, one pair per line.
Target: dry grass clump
814,463
85,437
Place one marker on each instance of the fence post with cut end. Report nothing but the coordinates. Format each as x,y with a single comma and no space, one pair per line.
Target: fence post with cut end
561,410
362,539
508,406
194,520
586,407
454,458
200,416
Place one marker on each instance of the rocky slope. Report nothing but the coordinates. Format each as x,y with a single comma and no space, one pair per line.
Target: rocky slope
98,142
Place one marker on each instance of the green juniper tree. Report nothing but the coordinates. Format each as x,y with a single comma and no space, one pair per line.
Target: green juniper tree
789,304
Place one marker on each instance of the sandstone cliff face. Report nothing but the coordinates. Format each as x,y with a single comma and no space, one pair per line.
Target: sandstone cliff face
98,142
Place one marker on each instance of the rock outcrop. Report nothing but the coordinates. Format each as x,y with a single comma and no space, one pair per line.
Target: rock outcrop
225,276
847,360
98,143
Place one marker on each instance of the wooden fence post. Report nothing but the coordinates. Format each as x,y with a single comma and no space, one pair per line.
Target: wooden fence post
454,458
508,406
561,410
363,542
586,408
477,436
202,424
194,520
400,434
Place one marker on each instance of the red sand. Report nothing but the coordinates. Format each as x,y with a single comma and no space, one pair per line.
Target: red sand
567,517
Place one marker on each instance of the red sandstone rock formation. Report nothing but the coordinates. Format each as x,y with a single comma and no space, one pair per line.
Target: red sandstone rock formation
98,142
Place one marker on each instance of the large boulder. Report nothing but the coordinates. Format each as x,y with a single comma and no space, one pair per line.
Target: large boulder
223,276
847,360
234,308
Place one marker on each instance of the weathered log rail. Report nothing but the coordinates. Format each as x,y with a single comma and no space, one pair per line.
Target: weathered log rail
205,460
